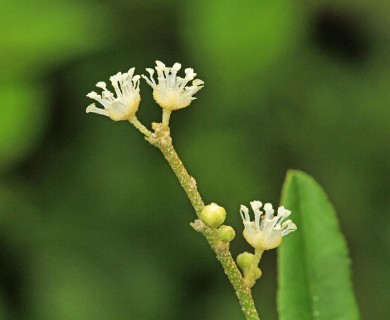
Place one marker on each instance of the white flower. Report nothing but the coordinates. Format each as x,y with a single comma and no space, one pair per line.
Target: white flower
125,104
171,92
267,230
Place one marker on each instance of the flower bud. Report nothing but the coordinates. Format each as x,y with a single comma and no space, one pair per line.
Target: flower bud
213,215
226,233
251,275
244,261
257,273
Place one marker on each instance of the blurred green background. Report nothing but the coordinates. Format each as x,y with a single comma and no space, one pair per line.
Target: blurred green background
93,225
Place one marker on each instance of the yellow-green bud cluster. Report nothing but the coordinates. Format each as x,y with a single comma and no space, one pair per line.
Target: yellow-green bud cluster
245,262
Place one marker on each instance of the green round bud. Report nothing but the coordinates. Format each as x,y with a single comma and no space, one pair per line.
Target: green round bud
244,261
257,273
226,233
213,215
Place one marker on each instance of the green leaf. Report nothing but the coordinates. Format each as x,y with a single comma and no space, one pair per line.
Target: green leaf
314,275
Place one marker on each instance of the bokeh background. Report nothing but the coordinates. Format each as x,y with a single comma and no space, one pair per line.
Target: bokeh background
93,224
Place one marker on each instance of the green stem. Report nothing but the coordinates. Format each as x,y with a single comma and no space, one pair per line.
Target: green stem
162,140
140,127
166,116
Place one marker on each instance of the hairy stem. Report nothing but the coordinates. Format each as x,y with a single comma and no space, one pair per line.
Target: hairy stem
162,140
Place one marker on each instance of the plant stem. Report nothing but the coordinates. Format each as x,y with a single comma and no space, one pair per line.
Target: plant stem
162,140
166,116
140,127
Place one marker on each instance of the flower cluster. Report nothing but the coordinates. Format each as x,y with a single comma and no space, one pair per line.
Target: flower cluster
170,92
125,104
267,230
